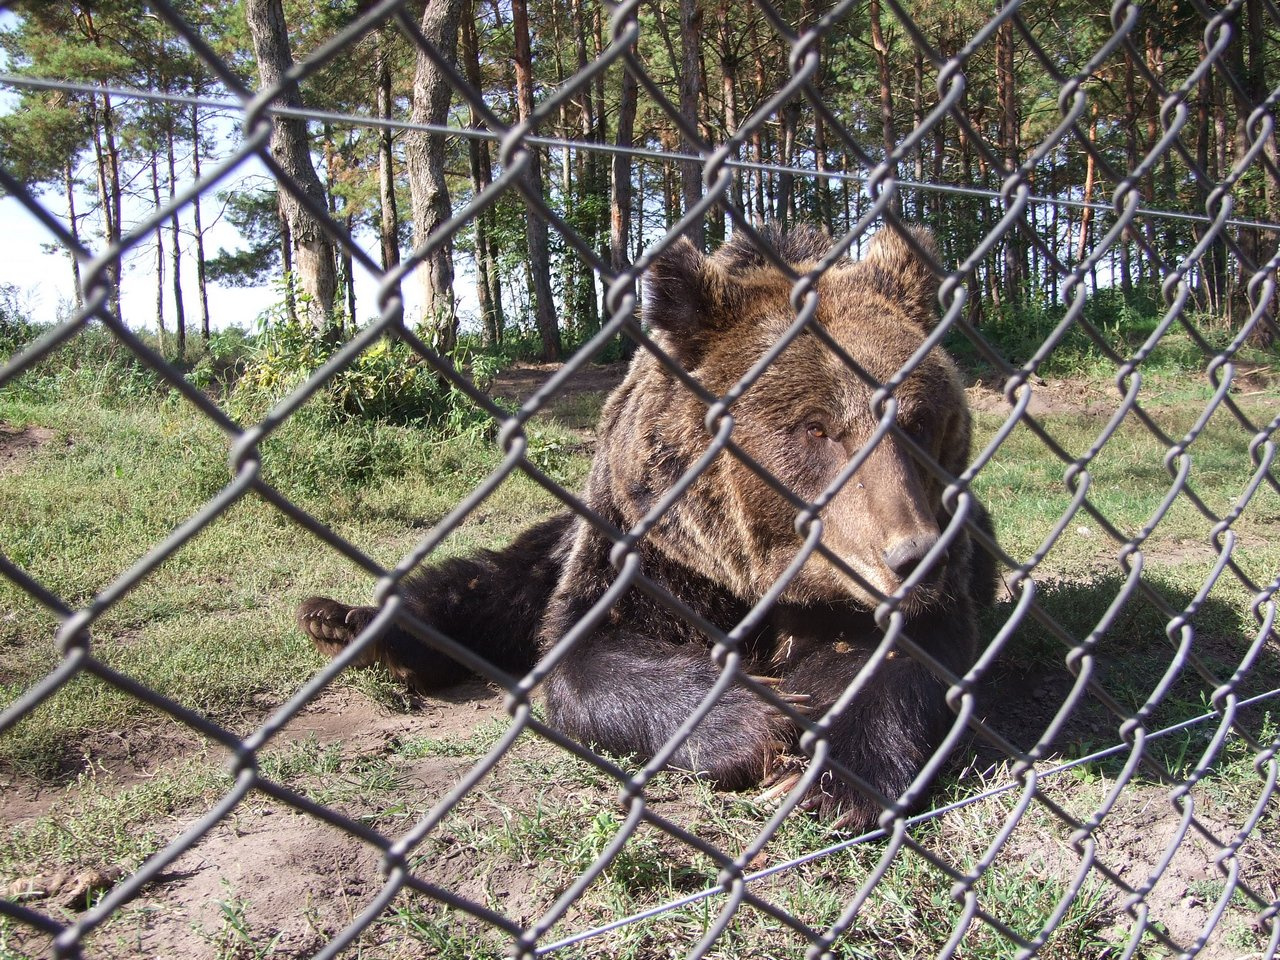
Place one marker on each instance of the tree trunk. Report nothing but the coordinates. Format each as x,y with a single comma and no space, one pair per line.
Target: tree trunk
1006,80
729,89
757,135
290,149
201,278
1131,163
175,251
424,156
535,226
589,187
621,193
1086,212
1257,247
488,289
888,132
286,262
107,156
389,219
155,196
917,120
784,209
690,88
570,312
349,275
73,223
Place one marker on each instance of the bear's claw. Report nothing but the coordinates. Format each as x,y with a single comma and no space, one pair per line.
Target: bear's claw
331,625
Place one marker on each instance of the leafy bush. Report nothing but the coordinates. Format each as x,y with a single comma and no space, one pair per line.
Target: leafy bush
92,365
14,328
216,365
1122,322
385,382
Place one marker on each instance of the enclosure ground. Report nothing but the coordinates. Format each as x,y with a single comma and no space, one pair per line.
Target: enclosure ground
93,783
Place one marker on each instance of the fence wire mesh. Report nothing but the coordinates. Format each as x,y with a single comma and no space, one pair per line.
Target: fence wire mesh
1143,829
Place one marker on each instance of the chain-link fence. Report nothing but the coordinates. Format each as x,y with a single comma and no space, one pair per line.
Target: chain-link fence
1130,784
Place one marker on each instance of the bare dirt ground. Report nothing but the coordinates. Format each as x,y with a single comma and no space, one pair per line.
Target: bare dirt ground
272,881
521,380
268,880
17,444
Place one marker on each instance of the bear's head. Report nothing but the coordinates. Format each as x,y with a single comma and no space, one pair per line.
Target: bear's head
809,420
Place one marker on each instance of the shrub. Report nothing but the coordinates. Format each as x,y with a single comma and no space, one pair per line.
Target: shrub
386,381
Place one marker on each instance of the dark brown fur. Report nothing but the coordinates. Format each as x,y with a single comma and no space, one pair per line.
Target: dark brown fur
635,677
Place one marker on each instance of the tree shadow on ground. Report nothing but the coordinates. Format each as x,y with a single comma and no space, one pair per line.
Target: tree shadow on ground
1028,686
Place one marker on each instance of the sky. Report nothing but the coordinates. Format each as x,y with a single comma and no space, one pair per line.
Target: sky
34,263
32,260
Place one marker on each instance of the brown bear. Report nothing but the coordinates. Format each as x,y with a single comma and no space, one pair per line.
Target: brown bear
793,625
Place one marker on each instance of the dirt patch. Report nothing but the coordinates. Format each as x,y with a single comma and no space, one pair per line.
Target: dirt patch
268,874
19,444
345,716
1145,844
521,381
113,759
269,880
1048,398
1254,378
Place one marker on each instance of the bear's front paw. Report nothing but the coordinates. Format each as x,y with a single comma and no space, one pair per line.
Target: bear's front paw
844,808
332,625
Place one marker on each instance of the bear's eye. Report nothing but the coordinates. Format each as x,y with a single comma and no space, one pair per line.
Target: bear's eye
816,429
919,431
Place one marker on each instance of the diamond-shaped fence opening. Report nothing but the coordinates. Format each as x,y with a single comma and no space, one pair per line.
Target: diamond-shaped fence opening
739,688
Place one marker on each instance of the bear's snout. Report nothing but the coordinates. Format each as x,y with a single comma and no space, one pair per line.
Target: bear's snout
904,556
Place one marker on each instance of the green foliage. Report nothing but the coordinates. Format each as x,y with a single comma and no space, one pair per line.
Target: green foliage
386,382
15,330
254,215
216,364
1123,323
92,365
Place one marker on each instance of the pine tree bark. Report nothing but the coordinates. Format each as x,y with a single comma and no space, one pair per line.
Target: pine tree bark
488,282
155,197
690,89
1257,246
389,215
202,280
728,60
69,185
621,193
535,226
312,246
107,157
175,251
1006,80
888,130
424,158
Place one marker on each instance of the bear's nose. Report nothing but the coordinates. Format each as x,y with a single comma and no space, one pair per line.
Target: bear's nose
904,556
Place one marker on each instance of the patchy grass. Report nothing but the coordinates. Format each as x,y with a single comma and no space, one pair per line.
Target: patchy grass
212,627
101,779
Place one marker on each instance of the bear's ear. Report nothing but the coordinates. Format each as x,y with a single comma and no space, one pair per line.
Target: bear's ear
898,272
684,299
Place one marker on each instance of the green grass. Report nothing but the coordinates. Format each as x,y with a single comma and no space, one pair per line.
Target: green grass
212,628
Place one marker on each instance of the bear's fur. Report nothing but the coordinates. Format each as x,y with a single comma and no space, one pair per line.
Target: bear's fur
641,669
